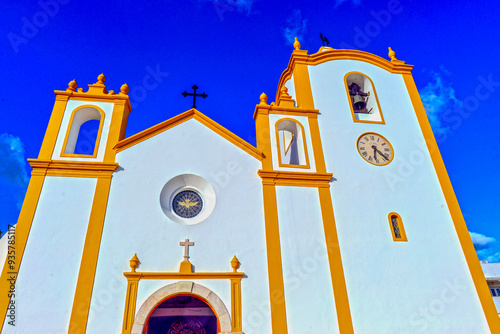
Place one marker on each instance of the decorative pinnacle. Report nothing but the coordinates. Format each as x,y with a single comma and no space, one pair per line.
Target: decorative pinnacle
296,44
124,89
134,262
235,263
263,99
392,54
72,85
284,92
101,78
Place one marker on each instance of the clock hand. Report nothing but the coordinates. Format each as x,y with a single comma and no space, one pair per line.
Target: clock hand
382,154
374,151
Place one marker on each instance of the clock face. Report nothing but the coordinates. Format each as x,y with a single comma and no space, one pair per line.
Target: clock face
375,149
187,204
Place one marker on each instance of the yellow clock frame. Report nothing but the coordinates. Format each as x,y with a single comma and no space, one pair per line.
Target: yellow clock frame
379,135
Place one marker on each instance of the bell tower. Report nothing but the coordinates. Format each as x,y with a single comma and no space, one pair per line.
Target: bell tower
66,201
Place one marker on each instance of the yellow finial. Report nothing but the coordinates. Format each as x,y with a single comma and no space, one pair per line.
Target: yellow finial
134,262
392,54
235,263
263,99
72,85
284,92
296,44
124,89
101,78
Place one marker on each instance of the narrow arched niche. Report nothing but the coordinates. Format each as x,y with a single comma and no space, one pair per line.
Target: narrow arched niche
292,151
83,141
363,98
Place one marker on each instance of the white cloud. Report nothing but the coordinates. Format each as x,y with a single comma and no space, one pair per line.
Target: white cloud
354,2
240,5
13,162
296,27
438,97
481,241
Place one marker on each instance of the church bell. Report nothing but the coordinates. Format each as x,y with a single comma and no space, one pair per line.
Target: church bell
359,102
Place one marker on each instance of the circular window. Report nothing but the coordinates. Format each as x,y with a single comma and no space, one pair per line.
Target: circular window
187,204
187,199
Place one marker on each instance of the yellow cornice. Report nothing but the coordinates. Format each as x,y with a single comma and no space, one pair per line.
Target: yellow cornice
274,109
174,121
72,168
300,179
160,275
327,54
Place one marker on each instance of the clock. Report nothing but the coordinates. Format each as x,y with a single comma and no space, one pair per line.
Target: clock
187,204
375,149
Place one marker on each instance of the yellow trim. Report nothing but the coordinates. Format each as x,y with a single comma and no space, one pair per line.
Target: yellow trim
133,278
296,179
50,138
263,134
68,131
276,125
72,168
86,275
382,121
317,146
476,272
377,134
335,260
117,128
174,121
302,85
274,263
400,226
21,234
301,57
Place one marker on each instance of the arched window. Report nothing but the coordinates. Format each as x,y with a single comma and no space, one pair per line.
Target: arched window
363,98
84,132
397,228
292,151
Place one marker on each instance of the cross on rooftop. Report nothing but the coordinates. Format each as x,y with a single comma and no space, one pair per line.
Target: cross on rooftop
194,95
186,243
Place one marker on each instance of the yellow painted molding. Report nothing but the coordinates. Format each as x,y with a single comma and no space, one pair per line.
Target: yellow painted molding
21,234
263,134
72,168
278,142
133,278
50,138
274,263
471,258
274,109
298,179
328,54
303,90
400,226
68,131
382,121
174,121
86,275
335,260
117,128
319,158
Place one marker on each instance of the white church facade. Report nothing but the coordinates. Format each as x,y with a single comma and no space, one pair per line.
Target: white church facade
342,219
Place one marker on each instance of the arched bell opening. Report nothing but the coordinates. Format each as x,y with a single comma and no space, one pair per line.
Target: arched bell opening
292,150
84,132
182,314
363,98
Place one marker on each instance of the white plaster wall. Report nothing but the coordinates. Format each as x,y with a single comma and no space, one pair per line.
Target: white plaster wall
107,107
273,118
51,261
310,305
135,223
422,285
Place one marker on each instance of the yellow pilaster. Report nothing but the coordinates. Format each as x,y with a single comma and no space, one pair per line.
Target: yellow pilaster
49,141
130,303
21,233
302,85
85,283
236,305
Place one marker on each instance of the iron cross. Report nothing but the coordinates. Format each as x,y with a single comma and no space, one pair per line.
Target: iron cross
194,95
186,245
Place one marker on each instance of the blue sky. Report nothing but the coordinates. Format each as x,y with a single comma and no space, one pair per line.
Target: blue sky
236,49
